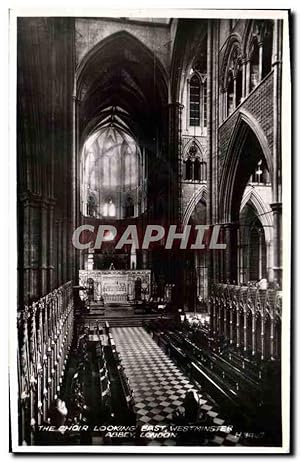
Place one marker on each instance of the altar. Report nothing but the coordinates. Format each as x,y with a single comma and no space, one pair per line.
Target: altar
116,286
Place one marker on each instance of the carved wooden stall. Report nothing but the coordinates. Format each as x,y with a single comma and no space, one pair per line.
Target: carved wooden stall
248,317
45,331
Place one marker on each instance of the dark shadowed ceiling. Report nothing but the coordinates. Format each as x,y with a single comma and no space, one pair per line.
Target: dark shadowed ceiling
122,83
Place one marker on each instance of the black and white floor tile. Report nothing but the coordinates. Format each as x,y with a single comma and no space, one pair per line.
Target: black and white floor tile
159,386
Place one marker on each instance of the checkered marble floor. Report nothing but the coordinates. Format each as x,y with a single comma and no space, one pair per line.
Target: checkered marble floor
158,385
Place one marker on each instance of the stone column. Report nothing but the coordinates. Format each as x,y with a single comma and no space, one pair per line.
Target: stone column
51,258
272,352
75,186
276,191
225,109
44,248
230,253
253,332
262,337
38,253
58,254
239,259
237,327
225,321
173,191
248,76
64,244
197,265
234,93
187,111
231,325
209,152
244,73
31,204
260,251
260,65
214,318
213,100
175,163
219,320
245,330
277,266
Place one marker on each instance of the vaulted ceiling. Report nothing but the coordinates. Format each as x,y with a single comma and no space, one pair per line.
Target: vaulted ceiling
121,82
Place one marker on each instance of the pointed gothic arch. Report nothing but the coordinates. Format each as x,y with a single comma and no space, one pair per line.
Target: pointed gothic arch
263,210
237,166
199,195
233,42
110,40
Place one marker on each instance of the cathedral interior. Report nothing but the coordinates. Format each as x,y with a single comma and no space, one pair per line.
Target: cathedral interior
136,122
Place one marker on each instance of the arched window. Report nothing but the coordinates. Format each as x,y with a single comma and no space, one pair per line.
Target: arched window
109,209
257,252
188,170
114,171
230,93
90,168
261,173
254,64
106,176
197,175
239,85
131,164
195,101
232,78
267,39
200,173
260,51
204,86
110,169
194,165
105,209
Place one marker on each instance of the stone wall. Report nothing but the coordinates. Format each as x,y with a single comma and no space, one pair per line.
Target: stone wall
259,104
91,31
44,154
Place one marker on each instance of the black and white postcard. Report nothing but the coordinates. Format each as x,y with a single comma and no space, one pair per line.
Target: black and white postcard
152,190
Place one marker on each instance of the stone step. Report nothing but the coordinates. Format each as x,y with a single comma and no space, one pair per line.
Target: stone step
114,321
